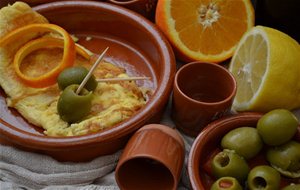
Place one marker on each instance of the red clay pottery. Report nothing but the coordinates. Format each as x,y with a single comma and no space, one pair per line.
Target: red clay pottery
152,159
202,92
4,3
144,7
135,43
207,144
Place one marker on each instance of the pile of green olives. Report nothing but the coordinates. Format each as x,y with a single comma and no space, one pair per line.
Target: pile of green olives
73,107
274,131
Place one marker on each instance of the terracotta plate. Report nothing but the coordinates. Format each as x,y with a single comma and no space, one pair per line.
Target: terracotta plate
135,44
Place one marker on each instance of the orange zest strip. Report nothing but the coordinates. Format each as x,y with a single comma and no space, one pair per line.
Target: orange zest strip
38,44
49,42
81,51
49,78
58,42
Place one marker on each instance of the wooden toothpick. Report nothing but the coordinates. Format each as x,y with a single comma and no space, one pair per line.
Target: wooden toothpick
86,78
122,79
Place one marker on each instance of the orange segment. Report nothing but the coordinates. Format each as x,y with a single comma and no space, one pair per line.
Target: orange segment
204,30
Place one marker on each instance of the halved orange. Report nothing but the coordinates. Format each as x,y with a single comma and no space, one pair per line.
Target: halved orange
204,30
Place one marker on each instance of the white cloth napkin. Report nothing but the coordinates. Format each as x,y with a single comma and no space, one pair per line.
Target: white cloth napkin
21,169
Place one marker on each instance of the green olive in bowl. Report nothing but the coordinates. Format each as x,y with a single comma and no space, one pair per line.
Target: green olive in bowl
286,159
226,183
245,141
263,178
228,163
277,127
292,187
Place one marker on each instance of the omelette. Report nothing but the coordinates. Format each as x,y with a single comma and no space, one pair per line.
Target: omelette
112,103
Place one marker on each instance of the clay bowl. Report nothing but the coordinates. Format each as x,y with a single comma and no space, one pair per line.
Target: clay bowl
35,2
143,7
135,43
207,144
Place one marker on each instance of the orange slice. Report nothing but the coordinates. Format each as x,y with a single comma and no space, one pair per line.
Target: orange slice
49,78
204,30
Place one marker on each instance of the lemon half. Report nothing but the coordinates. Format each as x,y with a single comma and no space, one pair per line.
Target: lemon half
266,65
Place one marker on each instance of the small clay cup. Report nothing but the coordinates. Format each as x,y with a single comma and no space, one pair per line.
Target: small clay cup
152,159
202,93
143,7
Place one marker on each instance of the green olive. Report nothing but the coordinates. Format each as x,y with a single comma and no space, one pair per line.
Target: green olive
226,183
73,107
245,141
286,158
277,127
75,75
263,178
228,163
292,187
